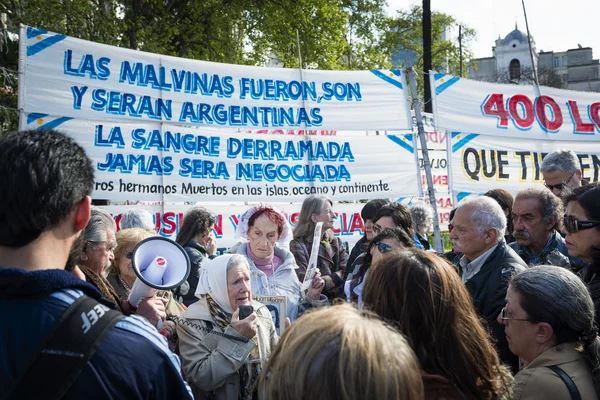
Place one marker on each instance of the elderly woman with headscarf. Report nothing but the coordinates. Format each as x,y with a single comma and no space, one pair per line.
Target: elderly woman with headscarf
272,267
221,354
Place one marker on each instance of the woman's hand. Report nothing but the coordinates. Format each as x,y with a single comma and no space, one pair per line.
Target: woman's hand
153,309
211,245
317,286
246,327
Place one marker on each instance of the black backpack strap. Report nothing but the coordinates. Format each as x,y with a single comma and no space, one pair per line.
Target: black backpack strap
571,387
66,350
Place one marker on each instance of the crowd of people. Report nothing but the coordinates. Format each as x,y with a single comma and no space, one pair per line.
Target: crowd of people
510,312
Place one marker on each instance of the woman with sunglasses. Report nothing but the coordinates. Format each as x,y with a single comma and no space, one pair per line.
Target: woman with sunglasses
549,323
387,240
581,225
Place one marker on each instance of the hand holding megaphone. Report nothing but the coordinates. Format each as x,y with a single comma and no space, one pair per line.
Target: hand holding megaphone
160,264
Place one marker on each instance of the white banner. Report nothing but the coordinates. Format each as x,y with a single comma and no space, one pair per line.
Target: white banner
159,162
168,219
481,163
91,81
517,111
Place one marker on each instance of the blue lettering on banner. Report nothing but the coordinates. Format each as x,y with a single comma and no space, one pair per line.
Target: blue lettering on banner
129,104
94,69
140,164
78,93
176,142
203,169
299,173
115,137
234,115
259,149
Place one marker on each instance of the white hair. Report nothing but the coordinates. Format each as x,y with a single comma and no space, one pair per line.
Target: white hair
564,160
487,214
100,222
422,216
137,218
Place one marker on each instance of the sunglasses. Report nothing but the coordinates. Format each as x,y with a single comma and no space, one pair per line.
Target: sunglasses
559,186
382,247
573,225
129,255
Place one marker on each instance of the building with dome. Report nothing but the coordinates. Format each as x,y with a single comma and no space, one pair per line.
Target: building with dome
574,69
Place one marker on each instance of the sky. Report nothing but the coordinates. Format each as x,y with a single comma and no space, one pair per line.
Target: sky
555,26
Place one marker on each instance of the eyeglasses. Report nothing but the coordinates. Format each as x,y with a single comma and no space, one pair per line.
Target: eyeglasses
382,247
503,318
573,225
559,186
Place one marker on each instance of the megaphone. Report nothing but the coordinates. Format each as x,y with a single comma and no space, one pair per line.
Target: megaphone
160,264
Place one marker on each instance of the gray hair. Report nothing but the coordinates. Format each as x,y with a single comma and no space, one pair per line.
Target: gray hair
100,222
236,260
564,160
137,218
550,205
487,214
311,205
421,214
558,297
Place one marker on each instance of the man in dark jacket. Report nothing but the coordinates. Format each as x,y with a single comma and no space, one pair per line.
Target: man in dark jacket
487,264
44,206
537,216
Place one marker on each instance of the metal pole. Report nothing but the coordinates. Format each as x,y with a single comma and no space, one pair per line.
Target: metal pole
438,245
299,53
21,76
535,75
460,50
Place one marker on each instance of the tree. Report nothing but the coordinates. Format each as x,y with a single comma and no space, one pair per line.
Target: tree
546,76
407,34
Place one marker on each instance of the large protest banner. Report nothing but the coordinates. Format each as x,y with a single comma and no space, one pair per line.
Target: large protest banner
160,162
481,163
516,111
168,219
73,78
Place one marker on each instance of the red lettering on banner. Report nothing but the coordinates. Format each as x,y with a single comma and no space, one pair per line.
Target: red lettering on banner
218,226
595,114
169,222
337,231
493,106
580,126
527,120
540,110
294,218
356,223
118,221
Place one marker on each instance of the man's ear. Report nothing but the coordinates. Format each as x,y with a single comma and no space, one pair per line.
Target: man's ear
544,333
550,224
82,213
491,236
579,174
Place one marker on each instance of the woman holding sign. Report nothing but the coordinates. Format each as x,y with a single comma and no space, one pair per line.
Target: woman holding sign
272,267
225,336
332,256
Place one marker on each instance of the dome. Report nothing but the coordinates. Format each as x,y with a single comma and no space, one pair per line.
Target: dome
517,35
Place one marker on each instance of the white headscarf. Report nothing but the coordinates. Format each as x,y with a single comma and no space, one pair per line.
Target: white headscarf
213,279
286,236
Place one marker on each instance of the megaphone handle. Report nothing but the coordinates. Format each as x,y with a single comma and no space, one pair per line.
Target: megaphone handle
159,324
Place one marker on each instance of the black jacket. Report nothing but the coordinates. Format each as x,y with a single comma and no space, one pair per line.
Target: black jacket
197,254
488,291
356,251
590,274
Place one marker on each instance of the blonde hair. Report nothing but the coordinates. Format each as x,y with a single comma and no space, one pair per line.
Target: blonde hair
341,353
126,238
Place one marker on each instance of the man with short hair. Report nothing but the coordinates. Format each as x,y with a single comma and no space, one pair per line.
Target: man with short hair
561,170
487,263
537,216
44,206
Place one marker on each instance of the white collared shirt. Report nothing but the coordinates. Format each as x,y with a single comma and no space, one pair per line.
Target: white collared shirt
470,269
